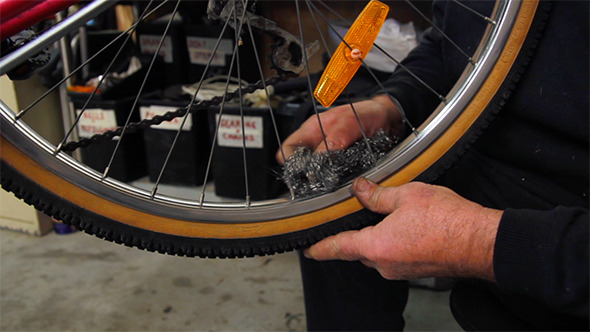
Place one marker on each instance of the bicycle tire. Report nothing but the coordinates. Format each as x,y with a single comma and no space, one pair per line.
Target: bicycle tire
38,184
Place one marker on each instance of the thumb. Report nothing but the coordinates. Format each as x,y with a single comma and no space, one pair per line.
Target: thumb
375,197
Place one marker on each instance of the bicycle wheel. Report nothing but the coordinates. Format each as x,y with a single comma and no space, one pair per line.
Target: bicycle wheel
46,176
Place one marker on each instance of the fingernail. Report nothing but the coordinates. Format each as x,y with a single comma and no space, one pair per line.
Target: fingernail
306,253
362,185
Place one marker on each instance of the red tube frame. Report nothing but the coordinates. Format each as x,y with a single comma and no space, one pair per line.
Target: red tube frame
17,15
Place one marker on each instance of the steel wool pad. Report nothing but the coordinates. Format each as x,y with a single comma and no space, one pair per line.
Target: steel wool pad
310,174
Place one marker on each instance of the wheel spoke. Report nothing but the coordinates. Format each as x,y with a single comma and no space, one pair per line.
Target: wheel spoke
238,41
129,30
240,19
101,79
143,83
346,92
434,26
482,16
218,122
189,107
309,86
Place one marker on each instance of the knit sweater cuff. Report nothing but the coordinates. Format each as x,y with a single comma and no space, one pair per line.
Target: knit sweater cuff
521,251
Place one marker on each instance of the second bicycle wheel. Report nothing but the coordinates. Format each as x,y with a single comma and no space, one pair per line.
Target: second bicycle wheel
46,176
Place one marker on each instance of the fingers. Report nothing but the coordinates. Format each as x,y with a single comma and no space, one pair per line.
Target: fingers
338,129
316,143
348,246
375,197
340,126
308,135
338,141
290,145
353,245
284,153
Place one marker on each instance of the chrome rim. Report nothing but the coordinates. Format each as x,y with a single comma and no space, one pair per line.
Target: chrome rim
43,152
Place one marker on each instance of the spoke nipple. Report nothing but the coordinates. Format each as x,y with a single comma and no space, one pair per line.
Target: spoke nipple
58,149
201,199
106,172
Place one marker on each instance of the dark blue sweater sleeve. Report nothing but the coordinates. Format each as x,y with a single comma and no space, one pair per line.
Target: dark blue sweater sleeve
425,62
544,255
541,252
431,69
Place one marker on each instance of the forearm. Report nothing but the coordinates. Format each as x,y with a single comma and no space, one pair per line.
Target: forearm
480,243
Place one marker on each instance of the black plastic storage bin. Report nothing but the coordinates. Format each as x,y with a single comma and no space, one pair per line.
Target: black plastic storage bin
261,146
188,161
200,44
106,114
173,52
200,41
97,40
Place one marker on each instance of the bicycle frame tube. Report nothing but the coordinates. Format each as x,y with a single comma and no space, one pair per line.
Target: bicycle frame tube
18,15
10,8
13,59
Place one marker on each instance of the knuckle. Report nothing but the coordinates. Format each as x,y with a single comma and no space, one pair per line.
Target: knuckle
375,198
334,248
339,141
382,200
376,253
386,274
418,191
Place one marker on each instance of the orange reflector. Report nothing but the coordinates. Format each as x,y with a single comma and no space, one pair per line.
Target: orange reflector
347,59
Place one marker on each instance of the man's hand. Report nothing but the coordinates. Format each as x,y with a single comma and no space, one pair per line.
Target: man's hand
342,128
430,231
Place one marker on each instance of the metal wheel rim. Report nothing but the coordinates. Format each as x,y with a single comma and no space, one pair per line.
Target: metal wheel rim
191,210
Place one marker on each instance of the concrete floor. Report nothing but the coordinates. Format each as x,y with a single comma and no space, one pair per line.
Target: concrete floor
76,282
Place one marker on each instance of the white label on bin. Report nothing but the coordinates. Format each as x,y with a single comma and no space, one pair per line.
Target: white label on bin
148,112
96,121
230,131
149,44
200,49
